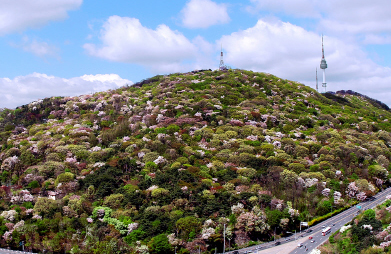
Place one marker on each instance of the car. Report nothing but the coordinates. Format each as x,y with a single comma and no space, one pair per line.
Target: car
277,243
299,244
309,230
310,237
323,226
333,224
236,252
288,239
312,241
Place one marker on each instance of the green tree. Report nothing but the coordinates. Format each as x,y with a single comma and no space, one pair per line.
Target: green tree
159,244
188,224
46,207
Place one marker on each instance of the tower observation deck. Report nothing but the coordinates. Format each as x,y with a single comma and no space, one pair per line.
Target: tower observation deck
323,66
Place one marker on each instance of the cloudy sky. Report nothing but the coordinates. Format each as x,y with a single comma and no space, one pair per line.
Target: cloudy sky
72,47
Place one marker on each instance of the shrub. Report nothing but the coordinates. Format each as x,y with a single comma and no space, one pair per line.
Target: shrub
46,207
150,156
296,167
159,192
114,200
64,178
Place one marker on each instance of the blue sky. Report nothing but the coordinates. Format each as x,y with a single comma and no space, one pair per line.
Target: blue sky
72,47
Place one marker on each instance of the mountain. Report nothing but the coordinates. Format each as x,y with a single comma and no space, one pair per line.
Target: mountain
163,165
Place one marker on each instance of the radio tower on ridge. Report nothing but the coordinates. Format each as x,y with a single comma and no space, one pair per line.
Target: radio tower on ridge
323,66
317,79
222,67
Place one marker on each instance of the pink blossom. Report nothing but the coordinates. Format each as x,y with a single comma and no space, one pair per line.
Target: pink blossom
361,196
71,160
252,137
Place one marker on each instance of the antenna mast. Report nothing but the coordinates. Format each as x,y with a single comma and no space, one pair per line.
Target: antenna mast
317,79
222,67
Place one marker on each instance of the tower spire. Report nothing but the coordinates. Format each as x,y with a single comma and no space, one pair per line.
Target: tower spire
323,66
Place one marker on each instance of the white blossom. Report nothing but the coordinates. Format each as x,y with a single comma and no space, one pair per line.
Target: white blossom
132,226
293,212
160,160
237,209
96,149
326,192
9,215
207,232
153,187
343,228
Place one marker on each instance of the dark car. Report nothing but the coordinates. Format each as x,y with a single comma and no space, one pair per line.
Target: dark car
236,252
277,243
309,230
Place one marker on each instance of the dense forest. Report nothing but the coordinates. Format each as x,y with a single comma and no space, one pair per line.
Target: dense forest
167,164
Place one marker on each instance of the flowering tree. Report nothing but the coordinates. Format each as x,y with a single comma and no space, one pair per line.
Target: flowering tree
361,196
249,222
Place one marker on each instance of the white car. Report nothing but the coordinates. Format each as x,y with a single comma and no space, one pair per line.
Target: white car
299,244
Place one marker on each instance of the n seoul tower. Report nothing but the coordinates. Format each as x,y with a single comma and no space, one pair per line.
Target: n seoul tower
323,66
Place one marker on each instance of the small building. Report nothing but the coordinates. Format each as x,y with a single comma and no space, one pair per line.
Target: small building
52,194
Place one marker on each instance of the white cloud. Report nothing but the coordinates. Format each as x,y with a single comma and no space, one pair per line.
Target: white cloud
291,52
297,8
348,17
356,16
126,40
21,14
377,39
25,89
203,14
38,48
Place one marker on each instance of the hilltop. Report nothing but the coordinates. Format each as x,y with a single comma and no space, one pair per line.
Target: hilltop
162,165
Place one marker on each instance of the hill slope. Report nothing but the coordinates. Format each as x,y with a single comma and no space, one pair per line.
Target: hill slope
167,162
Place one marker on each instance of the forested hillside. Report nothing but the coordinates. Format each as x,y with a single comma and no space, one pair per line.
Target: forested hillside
163,165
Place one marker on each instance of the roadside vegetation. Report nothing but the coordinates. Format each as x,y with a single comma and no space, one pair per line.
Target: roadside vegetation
368,233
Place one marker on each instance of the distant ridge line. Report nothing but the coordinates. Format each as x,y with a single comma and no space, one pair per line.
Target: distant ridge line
373,101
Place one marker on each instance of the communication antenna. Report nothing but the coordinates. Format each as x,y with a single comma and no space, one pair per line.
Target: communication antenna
222,67
317,79
323,66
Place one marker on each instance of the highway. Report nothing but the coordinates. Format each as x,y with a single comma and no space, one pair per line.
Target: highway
335,222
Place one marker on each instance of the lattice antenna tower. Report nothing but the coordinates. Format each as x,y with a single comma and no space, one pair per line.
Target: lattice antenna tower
222,66
323,66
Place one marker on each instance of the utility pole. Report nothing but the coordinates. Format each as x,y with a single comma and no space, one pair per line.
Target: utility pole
224,240
274,234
